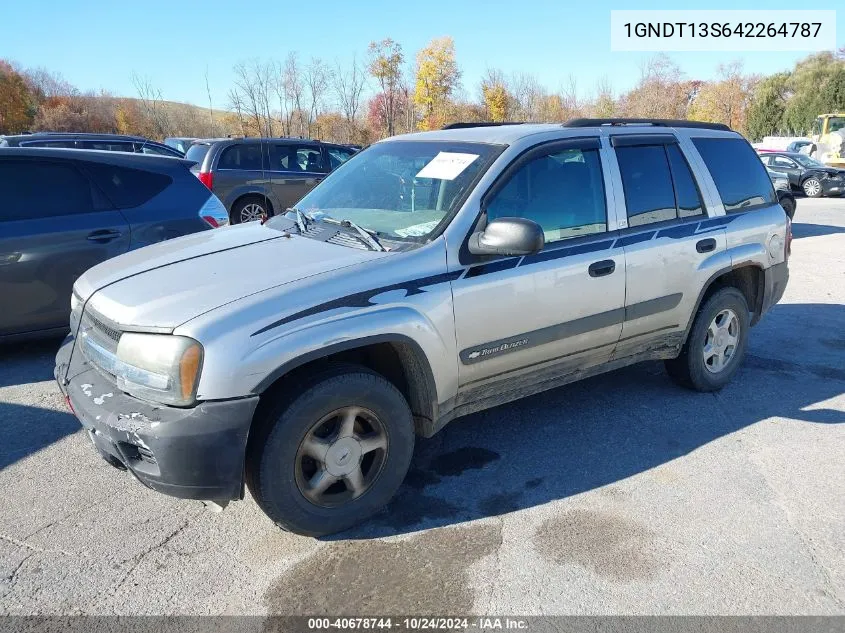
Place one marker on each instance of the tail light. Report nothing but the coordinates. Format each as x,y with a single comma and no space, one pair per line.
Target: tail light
207,178
214,213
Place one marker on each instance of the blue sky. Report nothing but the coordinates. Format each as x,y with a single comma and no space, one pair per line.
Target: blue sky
97,44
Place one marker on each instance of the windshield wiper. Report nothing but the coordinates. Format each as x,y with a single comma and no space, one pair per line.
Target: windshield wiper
302,219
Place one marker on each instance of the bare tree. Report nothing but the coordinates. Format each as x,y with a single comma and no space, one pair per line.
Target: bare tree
253,88
210,107
528,93
348,85
317,77
152,105
294,91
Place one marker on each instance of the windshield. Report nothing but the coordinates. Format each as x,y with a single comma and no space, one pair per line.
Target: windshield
401,189
806,161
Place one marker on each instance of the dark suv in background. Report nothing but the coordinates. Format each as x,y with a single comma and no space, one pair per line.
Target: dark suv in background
107,142
259,177
63,211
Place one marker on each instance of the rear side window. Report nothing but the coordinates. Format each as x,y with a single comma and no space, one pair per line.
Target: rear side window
686,191
647,181
246,156
197,152
338,156
33,190
107,146
736,169
126,187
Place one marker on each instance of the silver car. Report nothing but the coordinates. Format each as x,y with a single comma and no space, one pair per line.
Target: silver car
431,276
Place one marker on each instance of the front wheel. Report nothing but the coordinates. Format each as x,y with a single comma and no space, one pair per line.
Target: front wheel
334,455
812,188
716,343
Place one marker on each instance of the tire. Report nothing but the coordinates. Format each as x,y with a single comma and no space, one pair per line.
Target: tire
247,207
812,188
690,368
789,207
280,471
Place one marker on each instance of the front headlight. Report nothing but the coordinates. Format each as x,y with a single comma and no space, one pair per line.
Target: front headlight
159,367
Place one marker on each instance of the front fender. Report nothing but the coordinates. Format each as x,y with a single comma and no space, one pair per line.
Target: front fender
296,347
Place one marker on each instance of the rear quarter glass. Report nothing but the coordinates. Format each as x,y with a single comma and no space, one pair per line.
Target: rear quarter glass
740,176
126,187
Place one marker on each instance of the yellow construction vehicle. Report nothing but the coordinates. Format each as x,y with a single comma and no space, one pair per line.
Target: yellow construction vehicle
828,137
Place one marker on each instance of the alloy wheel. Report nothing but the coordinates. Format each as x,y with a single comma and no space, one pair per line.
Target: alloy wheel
812,187
721,342
252,212
341,457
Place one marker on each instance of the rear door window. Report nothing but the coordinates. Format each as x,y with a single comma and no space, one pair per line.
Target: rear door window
688,197
739,175
56,144
296,158
34,189
126,187
647,182
243,156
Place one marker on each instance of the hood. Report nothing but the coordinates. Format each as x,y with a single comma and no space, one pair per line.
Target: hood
169,283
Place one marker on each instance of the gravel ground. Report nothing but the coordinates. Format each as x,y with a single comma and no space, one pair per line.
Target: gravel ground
622,494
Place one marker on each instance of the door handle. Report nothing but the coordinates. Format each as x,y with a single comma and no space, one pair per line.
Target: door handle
602,268
706,246
105,235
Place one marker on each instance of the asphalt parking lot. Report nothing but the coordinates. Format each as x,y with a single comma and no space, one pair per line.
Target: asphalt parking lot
621,494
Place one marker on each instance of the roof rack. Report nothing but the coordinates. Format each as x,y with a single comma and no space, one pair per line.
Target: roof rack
464,125
656,122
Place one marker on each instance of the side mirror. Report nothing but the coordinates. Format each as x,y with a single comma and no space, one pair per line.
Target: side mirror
508,236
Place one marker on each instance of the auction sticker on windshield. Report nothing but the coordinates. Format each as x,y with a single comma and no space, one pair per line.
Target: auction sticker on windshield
447,165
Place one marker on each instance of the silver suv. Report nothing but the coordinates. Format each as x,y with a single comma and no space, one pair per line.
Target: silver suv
430,276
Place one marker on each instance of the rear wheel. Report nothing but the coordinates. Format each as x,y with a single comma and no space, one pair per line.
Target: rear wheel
716,343
812,188
334,454
250,209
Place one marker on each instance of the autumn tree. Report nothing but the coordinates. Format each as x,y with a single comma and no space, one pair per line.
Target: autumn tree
725,100
604,104
17,103
437,78
385,66
497,99
661,92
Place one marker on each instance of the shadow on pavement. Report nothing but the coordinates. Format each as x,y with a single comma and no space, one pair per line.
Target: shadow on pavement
605,429
32,361
802,229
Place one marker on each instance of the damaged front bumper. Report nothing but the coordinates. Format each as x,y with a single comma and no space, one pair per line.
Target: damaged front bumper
192,453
